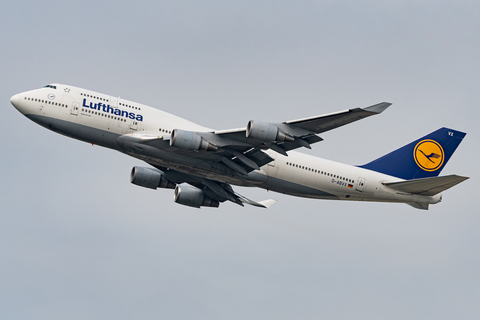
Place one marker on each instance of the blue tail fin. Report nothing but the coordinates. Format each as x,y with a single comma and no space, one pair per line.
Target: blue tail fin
422,158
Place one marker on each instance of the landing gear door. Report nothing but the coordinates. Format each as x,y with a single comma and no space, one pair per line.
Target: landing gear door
360,184
74,109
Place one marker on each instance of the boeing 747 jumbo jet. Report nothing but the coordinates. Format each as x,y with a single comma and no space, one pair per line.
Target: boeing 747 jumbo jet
202,163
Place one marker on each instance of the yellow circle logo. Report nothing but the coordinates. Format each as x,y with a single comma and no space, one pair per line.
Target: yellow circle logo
428,155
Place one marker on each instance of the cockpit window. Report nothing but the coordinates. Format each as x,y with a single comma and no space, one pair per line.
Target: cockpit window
50,86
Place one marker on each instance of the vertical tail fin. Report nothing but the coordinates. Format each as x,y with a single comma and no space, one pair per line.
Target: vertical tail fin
422,158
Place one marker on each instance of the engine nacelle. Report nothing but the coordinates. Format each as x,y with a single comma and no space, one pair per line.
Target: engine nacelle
266,132
193,197
188,140
150,178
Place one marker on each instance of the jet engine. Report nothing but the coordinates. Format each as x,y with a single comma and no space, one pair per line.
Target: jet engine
150,178
188,140
193,197
266,132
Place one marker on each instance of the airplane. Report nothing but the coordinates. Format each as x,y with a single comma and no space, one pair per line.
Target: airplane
201,164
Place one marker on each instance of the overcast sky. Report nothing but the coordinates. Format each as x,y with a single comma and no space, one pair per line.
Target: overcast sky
78,241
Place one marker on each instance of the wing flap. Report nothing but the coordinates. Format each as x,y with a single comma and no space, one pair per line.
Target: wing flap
426,186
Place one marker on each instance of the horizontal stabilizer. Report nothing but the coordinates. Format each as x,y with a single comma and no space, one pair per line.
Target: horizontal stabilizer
426,186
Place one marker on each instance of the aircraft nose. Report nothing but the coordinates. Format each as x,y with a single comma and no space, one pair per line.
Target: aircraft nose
14,100
18,104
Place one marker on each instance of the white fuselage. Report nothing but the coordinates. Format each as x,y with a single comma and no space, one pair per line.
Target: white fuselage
84,115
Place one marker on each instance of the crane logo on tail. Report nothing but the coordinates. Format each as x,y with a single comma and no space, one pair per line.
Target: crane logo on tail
428,155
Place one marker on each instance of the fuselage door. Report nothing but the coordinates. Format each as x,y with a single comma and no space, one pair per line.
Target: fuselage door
75,108
360,184
113,102
272,163
134,125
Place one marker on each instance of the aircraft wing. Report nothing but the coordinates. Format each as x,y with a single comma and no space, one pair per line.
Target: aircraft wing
303,131
241,149
216,190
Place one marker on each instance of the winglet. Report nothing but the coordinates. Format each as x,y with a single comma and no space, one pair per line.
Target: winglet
378,108
427,186
267,203
262,204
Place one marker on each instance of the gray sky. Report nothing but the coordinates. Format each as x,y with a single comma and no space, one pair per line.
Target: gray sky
78,241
